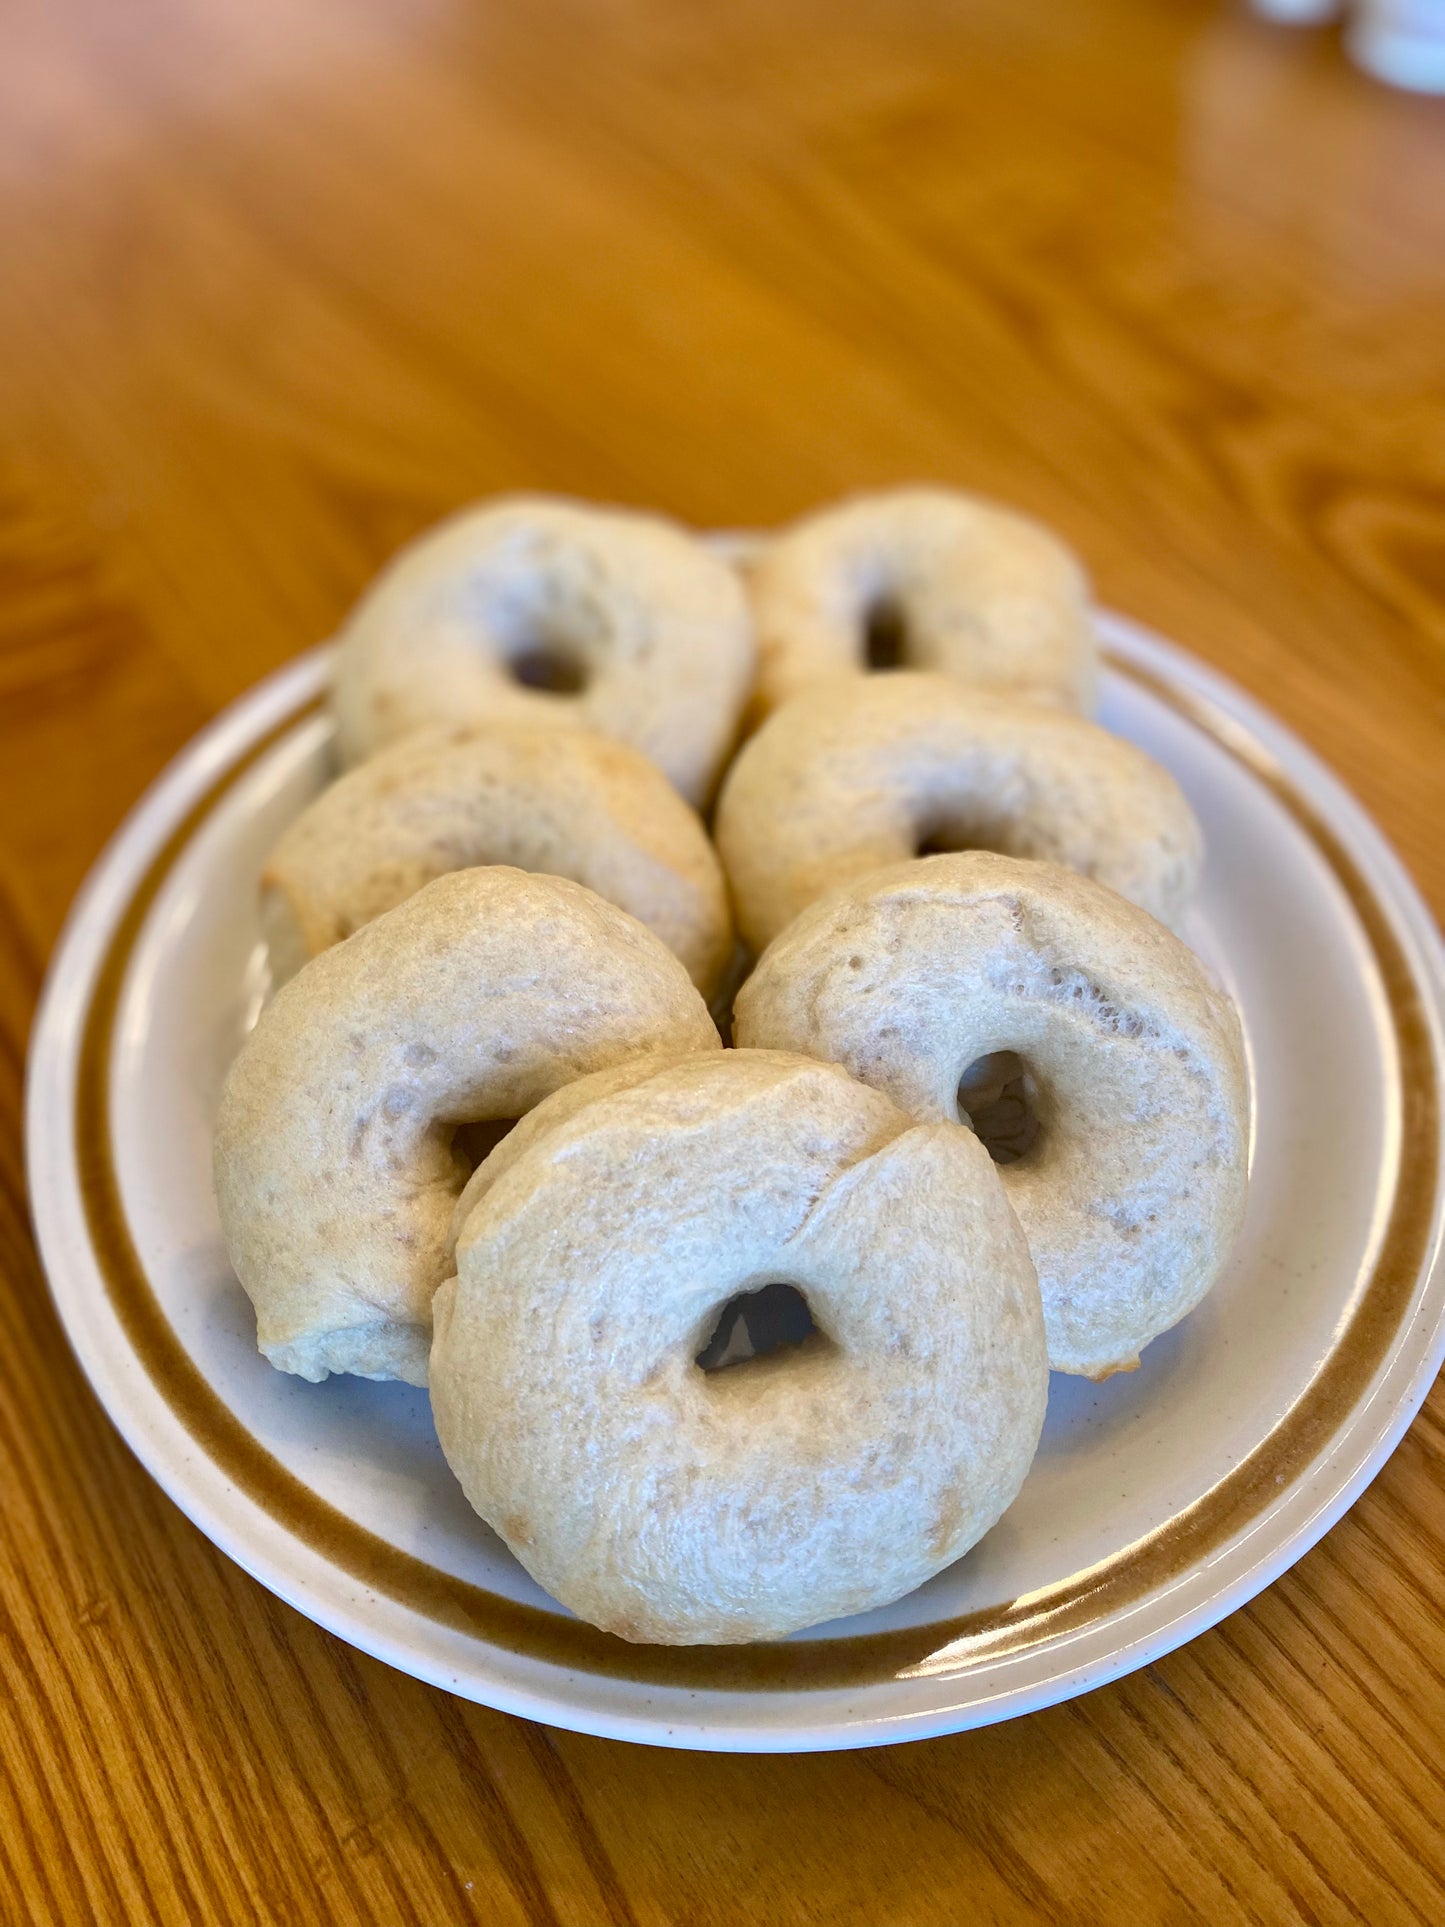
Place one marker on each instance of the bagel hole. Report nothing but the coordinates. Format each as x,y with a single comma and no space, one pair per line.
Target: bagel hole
943,843
473,1143
995,1098
757,1325
885,634
952,839
547,667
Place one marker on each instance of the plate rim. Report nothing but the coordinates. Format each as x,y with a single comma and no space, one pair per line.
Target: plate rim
246,725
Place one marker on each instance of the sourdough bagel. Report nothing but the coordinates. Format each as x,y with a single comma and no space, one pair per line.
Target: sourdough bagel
1133,1190
568,803
922,578
861,773
555,612
335,1172
671,1505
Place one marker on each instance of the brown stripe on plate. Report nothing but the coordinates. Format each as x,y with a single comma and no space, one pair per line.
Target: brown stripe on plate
943,1646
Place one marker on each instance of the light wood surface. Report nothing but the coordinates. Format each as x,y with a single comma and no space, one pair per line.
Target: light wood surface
284,279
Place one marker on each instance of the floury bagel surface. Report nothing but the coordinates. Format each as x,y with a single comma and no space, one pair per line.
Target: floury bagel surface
335,1169
678,1506
565,803
939,579
1134,1192
640,631
867,770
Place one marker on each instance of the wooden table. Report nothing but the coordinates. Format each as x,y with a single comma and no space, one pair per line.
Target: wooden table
283,280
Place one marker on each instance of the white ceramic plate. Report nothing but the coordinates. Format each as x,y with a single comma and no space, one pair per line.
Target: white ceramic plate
1159,1501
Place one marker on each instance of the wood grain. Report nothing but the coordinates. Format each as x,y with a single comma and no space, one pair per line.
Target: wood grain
283,280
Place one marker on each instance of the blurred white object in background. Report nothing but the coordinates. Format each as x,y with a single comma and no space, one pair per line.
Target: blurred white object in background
1401,41
1298,13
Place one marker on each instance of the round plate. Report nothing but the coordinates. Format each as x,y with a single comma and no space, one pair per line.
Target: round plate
1159,1501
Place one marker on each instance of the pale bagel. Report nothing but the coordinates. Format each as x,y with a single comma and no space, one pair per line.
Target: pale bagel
676,1506
857,774
335,1172
950,582
475,619
568,803
1134,1064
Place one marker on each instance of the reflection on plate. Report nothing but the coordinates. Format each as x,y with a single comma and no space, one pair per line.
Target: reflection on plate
1159,1500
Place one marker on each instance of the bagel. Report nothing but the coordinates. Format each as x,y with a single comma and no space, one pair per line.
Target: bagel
335,1172
675,1506
1133,1190
553,611
923,578
862,773
568,802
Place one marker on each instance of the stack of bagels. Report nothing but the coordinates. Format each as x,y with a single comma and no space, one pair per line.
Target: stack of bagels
980,1111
